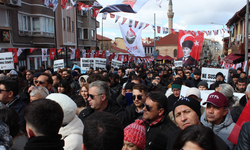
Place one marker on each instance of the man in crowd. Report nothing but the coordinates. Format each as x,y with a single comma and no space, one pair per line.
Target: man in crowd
219,79
202,85
241,85
197,77
158,125
122,75
44,119
184,78
176,88
66,75
156,84
234,80
56,79
44,80
29,78
218,117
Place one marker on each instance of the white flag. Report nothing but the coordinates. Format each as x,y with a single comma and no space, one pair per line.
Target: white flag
73,53
19,51
158,3
132,40
46,3
44,54
122,58
73,2
107,53
84,53
104,15
96,4
116,56
92,54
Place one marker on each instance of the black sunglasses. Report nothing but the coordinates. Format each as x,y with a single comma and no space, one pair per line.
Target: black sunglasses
40,82
4,90
139,97
92,96
148,108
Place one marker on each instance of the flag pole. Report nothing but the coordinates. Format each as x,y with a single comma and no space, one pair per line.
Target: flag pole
246,36
154,51
102,33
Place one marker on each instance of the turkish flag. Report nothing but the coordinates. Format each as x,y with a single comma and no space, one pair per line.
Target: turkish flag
119,57
33,49
136,23
81,6
96,11
173,31
96,54
125,58
159,29
52,53
189,48
77,53
112,15
88,54
14,54
103,54
130,59
63,5
124,20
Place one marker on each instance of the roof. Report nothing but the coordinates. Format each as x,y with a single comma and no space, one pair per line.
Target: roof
237,16
171,39
118,49
99,38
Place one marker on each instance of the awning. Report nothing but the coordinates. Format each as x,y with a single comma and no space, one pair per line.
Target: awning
159,57
233,58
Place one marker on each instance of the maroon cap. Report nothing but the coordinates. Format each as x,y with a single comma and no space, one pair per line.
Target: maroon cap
217,99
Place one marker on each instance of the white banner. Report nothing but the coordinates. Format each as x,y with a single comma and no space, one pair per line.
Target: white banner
84,53
132,40
100,63
209,74
73,53
116,63
86,63
44,54
6,61
58,64
178,63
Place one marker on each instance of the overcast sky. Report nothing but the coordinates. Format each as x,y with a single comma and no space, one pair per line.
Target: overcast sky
188,15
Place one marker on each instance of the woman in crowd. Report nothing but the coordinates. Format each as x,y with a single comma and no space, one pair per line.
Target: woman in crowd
84,91
65,88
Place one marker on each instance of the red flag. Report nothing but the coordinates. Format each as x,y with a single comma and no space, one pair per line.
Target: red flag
52,53
130,59
125,58
136,23
146,26
77,53
63,5
103,54
159,29
189,48
173,31
14,54
96,54
88,54
111,56
112,15
96,11
124,20
81,6
58,51
119,57
32,49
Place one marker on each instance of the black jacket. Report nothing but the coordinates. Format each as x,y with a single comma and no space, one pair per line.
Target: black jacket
236,111
131,115
158,87
171,100
189,62
173,136
156,135
196,82
244,137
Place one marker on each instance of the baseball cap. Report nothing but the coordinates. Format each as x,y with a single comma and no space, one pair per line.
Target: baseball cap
217,99
193,91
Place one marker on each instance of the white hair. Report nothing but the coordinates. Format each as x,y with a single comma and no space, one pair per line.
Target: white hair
42,91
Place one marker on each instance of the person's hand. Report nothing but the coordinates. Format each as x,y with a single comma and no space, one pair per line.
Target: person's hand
31,88
123,91
155,82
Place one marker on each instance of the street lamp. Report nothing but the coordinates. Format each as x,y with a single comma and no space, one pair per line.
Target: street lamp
223,35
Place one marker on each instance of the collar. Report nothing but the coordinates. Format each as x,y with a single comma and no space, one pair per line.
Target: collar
12,101
157,121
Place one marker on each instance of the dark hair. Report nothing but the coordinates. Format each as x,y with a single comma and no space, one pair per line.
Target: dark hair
10,118
103,131
30,72
49,80
45,115
141,87
114,76
123,70
67,88
95,77
160,98
11,85
78,99
241,80
22,68
58,76
137,78
198,134
78,70
143,75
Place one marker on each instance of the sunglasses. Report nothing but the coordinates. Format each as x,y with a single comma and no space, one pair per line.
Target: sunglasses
157,78
40,82
139,97
92,96
148,108
4,90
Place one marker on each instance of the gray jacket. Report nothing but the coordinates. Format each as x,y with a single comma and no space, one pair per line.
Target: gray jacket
223,130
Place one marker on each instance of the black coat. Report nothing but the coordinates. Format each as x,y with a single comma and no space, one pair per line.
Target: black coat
244,137
173,136
189,62
236,111
131,115
171,100
156,135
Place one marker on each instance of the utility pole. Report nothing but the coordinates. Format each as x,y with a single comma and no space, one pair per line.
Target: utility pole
102,33
246,36
154,51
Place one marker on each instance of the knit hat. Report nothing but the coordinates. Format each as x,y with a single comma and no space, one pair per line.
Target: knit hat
37,74
197,72
203,83
136,133
68,105
193,91
217,99
190,102
219,74
177,83
74,73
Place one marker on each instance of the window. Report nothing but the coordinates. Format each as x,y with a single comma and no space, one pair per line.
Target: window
80,33
64,27
48,25
36,24
68,23
92,34
24,22
4,15
175,53
85,33
72,26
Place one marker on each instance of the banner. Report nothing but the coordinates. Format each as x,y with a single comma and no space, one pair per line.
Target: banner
116,63
96,11
86,63
77,55
189,48
32,49
6,61
72,56
209,74
52,53
44,54
84,53
58,64
100,63
14,54
132,40
178,63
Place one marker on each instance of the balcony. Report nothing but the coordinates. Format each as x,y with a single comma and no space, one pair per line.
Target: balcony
238,48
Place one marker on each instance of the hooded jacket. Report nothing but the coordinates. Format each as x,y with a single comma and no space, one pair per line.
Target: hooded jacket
72,134
223,130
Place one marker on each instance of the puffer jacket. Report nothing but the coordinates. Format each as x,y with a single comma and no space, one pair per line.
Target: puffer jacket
244,137
223,130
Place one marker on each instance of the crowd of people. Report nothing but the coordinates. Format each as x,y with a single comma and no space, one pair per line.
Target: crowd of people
126,108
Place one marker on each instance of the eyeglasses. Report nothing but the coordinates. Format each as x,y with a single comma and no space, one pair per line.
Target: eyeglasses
4,90
139,97
92,96
157,78
148,108
40,82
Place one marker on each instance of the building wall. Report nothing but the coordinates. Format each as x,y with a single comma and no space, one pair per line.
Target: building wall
120,43
106,45
167,50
